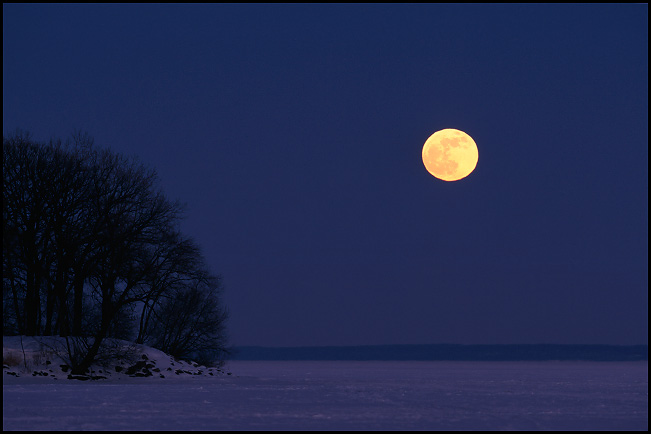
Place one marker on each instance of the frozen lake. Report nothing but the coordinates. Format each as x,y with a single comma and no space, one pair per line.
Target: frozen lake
367,395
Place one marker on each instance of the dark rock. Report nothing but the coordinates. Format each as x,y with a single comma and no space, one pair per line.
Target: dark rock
162,376
65,368
137,367
78,377
118,369
156,369
144,357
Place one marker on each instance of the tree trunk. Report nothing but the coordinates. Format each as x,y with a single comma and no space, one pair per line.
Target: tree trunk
108,312
77,308
83,366
49,312
31,303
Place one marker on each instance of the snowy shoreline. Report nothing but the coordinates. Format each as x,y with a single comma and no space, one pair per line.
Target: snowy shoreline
43,358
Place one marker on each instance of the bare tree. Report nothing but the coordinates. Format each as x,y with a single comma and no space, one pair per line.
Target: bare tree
190,323
26,224
90,244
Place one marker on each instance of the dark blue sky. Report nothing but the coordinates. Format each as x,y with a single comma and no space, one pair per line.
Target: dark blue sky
294,133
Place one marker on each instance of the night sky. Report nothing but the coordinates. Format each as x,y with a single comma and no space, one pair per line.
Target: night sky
293,133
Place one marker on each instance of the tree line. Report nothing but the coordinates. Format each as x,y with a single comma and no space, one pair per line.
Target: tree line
92,249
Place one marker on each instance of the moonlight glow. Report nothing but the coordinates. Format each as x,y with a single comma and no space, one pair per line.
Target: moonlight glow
450,154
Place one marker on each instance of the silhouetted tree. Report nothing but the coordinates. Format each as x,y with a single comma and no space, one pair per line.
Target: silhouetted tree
190,322
91,247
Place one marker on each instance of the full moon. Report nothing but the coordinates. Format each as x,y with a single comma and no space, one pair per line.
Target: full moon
450,154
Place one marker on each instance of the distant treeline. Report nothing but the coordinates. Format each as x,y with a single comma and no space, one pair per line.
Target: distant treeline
448,352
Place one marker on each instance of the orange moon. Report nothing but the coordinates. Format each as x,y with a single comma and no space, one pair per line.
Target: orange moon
450,154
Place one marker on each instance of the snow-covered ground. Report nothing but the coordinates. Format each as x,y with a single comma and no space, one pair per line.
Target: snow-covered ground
46,357
325,395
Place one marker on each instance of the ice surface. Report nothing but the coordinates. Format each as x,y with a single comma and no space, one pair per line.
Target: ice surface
350,395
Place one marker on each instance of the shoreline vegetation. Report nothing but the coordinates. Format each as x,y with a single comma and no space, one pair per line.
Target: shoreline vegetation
449,352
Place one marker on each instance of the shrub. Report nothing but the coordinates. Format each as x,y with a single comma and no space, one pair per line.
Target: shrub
11,358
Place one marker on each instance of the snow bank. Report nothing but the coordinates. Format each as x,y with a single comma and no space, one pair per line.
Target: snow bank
45,357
